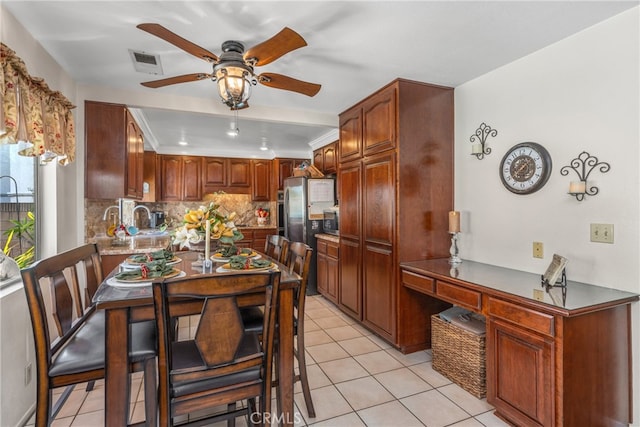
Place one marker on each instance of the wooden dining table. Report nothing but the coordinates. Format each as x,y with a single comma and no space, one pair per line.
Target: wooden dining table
124,304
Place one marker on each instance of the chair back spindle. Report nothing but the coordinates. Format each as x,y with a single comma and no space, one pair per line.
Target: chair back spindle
277,247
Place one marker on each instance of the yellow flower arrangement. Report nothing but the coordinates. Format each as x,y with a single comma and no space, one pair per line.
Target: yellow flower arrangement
194,225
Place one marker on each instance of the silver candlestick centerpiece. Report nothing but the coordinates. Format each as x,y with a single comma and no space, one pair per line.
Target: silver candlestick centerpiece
455,259
454,230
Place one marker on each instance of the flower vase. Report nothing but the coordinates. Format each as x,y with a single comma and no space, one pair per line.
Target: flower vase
262,221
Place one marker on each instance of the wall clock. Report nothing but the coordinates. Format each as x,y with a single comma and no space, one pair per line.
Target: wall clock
525,168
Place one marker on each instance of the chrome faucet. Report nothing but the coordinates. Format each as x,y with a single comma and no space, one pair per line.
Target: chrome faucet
106,211
141,207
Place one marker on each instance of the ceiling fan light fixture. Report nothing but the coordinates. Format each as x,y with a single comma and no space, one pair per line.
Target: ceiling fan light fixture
234,84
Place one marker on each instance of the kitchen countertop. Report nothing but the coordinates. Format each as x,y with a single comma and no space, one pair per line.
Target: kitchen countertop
330,237
147,242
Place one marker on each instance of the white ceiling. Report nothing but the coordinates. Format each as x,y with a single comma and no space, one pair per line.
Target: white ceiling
354,48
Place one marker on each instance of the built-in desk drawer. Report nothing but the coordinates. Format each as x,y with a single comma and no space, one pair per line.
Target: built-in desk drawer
522,316
459,295
418,283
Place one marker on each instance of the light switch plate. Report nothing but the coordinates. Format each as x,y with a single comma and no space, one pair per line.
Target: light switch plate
602,233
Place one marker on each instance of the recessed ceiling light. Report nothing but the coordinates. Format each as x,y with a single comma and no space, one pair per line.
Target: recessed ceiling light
183,143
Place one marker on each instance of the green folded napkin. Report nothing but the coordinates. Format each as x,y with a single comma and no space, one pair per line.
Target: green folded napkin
239,262
230,251
162,254
150,270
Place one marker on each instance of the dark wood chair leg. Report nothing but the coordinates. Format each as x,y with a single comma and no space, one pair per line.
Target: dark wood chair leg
90,386
150,393
231,422
304,379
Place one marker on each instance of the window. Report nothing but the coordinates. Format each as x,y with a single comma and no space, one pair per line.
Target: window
17,200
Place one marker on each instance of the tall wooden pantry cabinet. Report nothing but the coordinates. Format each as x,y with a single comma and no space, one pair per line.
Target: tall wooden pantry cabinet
395,181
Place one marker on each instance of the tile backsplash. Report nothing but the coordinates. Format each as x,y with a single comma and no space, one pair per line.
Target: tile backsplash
241,204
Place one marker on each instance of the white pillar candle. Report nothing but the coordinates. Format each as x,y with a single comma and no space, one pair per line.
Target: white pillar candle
454,222
207,234
577,187
476,148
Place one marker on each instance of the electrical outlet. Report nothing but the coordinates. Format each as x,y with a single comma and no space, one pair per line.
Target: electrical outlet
27,374
538,295
538,250
602,233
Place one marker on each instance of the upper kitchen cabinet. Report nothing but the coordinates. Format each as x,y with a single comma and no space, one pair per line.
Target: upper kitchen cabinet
114,155
261,183
395,184
324,158
369,127
179,178
149,177
284,169
350,147
226,174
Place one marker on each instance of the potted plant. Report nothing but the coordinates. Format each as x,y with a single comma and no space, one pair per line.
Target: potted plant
21,229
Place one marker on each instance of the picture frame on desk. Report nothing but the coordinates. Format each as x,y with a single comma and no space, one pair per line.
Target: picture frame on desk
555,271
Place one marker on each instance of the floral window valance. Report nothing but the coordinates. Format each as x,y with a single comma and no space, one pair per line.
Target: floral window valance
32,115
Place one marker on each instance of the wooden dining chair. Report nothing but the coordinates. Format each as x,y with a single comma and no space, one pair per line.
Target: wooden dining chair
222,363
69,335
277,247
299,261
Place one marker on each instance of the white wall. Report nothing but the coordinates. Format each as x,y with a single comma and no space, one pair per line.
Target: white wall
57,191
60,214
580,94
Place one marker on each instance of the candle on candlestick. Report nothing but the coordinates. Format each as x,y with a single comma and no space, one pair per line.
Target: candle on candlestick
476,148
207,234
577,187
454,222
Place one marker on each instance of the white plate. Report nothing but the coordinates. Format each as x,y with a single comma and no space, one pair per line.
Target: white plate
222,269
112,281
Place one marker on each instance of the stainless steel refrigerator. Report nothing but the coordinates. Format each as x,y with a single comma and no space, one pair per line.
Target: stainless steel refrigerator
305,200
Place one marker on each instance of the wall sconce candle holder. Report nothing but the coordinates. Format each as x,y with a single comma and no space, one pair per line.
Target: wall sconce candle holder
583,165
479,139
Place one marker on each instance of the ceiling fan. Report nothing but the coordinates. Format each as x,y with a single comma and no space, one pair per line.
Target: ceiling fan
233,70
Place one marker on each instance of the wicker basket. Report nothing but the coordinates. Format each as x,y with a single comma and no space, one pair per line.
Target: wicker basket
459,355
300,172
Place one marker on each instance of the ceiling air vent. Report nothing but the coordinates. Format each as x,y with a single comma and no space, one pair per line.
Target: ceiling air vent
145,62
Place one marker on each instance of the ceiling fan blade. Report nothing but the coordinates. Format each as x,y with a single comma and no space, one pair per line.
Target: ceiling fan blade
279,81
184,44
270,50
177,79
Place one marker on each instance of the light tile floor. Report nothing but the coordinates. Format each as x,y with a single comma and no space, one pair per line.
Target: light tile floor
356,379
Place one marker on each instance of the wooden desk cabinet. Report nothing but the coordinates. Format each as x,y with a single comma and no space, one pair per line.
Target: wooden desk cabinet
553,359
